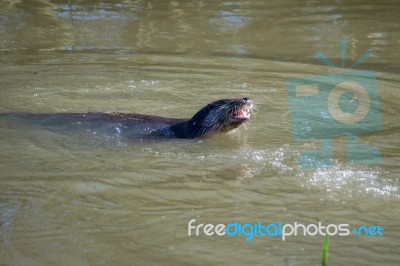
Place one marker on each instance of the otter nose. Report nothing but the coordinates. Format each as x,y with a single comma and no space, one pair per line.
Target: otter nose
247,100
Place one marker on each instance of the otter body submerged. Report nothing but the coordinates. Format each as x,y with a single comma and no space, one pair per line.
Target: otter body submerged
217,117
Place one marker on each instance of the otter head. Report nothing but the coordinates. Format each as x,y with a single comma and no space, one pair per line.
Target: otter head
219,117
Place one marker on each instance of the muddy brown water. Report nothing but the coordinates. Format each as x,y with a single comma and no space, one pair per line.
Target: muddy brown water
87,198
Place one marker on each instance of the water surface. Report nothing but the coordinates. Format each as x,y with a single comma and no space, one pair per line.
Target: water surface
85,198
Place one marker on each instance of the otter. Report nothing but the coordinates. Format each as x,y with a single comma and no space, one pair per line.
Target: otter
217,117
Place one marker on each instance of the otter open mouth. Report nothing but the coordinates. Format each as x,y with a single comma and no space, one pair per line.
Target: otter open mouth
242,114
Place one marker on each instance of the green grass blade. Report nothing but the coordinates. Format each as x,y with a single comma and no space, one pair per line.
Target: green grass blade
325,250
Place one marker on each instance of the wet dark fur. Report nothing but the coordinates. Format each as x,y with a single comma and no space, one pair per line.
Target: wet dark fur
216,117
211,119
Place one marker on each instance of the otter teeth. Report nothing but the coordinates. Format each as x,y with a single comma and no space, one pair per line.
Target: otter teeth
244,113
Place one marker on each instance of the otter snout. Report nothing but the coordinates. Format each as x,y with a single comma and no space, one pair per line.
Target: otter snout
247,100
